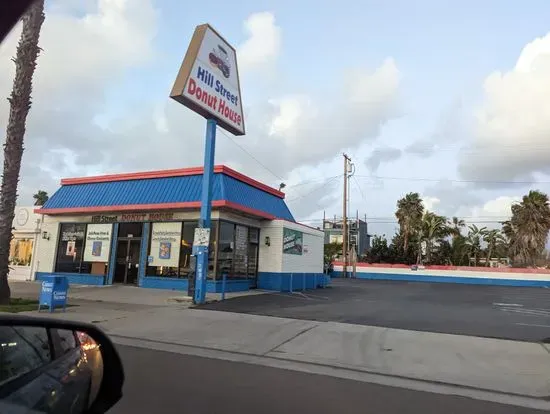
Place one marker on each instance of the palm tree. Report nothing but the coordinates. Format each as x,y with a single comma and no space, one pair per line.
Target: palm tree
473,242
432,228
492,238
20,104
456,225
409,215
528,228
40,198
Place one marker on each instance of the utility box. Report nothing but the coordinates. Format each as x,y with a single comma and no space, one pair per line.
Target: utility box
53,293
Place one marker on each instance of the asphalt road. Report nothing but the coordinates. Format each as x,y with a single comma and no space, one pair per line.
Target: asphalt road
166,382
491,311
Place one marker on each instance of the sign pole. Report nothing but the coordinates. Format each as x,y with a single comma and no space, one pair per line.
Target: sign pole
201,272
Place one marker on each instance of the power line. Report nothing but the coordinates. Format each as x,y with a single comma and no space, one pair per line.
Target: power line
312,181
380,177
250,155
360,190
315,189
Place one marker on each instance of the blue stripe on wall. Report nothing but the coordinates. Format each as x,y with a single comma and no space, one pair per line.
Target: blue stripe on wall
155,282
283,282
75,278
449,279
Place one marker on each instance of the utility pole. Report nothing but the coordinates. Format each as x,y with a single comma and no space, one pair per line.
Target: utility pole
345,217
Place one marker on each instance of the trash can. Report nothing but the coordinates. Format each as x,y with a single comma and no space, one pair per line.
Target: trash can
53,293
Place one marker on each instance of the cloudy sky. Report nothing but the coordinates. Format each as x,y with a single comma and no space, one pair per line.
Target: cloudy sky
446,98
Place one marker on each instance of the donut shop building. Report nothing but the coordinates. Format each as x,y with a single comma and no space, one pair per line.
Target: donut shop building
138,229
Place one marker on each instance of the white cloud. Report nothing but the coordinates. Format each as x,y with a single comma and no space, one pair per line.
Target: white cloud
430,203
87,46
513,124
498,209
72,129
263,44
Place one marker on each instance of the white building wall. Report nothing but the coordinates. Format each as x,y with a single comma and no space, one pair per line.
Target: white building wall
26,225
311,259
272,258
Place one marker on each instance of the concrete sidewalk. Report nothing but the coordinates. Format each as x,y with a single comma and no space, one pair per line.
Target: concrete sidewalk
120,294
510,367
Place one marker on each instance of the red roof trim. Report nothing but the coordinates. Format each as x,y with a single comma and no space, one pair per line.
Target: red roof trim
155,207
181,172
245,179
247,210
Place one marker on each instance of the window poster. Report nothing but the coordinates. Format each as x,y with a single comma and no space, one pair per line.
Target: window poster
292,241
98,242
165,244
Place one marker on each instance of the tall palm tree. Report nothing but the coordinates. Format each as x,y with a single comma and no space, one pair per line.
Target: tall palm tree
473,242
432,228
528,228
20,104
409,215
456,225
40,198
492,238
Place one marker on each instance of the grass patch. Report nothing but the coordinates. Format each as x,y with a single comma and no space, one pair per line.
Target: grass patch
24,305
19,305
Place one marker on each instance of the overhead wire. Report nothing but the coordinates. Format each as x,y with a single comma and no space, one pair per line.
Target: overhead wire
250,155
315,189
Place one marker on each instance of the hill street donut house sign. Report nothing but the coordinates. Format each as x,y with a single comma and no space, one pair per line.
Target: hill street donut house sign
208,80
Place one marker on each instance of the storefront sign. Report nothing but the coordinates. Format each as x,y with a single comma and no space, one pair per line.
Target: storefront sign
133,217
98,242
165,244
208,80
292,241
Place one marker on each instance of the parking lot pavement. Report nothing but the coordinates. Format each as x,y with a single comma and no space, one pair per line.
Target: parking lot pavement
515,313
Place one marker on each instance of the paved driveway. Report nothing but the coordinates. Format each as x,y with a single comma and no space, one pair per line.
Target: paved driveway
490,311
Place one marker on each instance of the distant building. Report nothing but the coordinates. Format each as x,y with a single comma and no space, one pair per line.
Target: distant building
358,233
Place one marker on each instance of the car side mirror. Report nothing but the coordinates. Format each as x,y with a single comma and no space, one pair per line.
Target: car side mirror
57,366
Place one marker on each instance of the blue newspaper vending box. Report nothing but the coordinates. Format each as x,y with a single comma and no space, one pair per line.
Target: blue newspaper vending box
54,293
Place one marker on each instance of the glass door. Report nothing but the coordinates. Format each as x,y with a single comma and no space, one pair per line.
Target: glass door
127,261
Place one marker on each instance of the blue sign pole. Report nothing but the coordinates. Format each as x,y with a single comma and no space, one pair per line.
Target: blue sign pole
201,272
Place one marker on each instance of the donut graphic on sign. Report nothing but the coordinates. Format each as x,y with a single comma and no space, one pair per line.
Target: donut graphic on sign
219,59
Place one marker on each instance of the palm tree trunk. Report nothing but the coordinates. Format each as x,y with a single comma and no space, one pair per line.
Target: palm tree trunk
20,103
489,254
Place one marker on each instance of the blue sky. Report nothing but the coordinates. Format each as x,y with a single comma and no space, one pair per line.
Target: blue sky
371,78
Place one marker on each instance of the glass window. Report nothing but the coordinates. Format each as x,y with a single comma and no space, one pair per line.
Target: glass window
67,340
187,237
240,261
254,235
185,267
70,249
226,248
22,349
130,229
21,252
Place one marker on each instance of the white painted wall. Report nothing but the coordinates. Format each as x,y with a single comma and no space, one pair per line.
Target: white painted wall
272,258
26,225
451,273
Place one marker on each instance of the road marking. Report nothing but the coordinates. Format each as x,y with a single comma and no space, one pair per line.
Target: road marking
533,324
508,304
527,311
